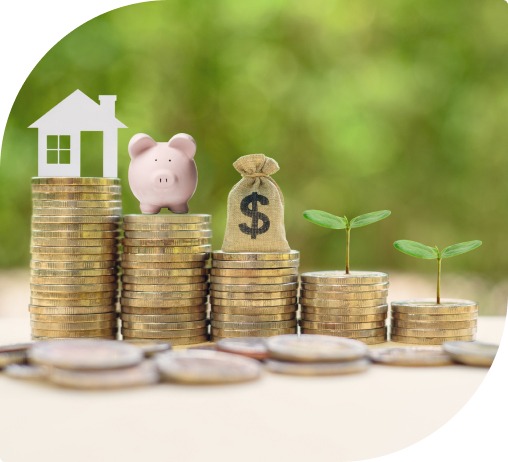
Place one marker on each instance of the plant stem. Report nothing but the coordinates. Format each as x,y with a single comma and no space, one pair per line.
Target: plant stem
348,239
439,280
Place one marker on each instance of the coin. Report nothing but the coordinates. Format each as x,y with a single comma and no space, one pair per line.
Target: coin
254,310
148,227
75,181
71,310
75,196
111,204
255,287
163,334
148,280
109,249
252,318
180,242
312,369
344,311
141,374
13,354
72,265
253,273
342,325
165,295
72,334
75,227
72,326
164,287
72,318
315,348
162,303
85,354
432,332
67,288
163,235
434,317
227,333
374,295
216,295
168,218
50,281
346,318
434,325
43,241
256,256
428,340
338,290
207,367
67,236
447,306
165,258
87,299
254,280
50,211
260,264
75,188
72,273
75,258
173,326
340,277
176,341
161,318
229,325
26,371
163,265
150,347
75,219
271,302
162,310
164,273
111,336
167,250
410,356
471,353
377,332
319,299
252,347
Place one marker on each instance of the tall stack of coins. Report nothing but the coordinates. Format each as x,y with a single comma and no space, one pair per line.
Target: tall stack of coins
73,281
165,277
425,322
345,305
253,294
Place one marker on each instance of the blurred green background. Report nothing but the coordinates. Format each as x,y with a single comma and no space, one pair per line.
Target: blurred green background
365,105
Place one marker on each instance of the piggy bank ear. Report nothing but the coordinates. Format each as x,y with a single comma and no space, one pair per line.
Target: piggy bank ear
140,143
184,143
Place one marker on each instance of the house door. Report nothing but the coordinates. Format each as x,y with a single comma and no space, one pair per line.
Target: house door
91,154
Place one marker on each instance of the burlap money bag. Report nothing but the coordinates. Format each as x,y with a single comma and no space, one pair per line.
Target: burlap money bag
255,220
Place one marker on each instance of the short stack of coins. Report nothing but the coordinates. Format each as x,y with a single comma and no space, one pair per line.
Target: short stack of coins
351,305
253,294
74,248
425,322
165,277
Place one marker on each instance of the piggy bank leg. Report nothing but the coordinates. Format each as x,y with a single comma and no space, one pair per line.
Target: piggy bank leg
179,208
149,209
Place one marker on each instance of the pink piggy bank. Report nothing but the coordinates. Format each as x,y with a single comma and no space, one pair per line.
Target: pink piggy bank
163,174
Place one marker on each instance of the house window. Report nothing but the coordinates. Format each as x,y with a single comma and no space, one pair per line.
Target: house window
59,149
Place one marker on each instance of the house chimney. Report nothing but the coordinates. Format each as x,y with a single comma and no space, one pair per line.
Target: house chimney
108,104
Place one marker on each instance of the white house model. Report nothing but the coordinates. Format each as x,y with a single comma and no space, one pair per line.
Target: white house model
60,134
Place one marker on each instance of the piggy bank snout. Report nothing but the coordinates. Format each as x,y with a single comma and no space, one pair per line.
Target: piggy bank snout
163,179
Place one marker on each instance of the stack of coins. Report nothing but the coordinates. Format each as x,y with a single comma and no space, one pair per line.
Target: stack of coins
73,281
349,305
165,277
425,322
253,294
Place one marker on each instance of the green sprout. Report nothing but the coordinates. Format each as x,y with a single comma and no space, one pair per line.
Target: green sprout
327,220
415,249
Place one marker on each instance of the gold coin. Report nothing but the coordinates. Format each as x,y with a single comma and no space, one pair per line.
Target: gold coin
72,333
272,302
168,218
168,258
180,242
166,235
378,294
435,317
447,306
254,281
173,279
46,258
434,325
85,302
158,318
166,334
68,219
187,325
111,336
165,295
73,265
261,264
377,332
67,235
342,325
167,250
164,287
164,273
346,318
139,302
345,311
179,340
252,295
150,227
236,318
334,303
341,278
75,227
93,325
256,256
253,310
69,188
255,273
429,340
344,289
50,281
77,212
44,241
77,204
229,333
76,181
432,332
73,318
75,250
74,196
72,273
163,311
229,325
68,288
163,265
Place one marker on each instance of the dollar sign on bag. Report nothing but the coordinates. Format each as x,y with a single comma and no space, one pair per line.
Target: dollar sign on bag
254,229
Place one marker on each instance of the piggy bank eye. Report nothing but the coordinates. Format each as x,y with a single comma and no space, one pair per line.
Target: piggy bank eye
170,160
155,160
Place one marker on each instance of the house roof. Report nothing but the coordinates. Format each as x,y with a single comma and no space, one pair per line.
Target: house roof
78,112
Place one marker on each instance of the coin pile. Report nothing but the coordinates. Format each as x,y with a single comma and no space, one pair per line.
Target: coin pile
253,294
425,322
345,305
73,279
165,277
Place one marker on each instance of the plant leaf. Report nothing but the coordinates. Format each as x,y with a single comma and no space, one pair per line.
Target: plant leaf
415,249
460,248
369,218
325,219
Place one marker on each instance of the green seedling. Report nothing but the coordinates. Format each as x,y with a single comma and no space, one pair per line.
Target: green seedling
327,220
417,250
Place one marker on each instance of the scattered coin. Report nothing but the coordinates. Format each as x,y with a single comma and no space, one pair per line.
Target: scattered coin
315,369
150,347
252,347
26,371
471,353
410,356
14,354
